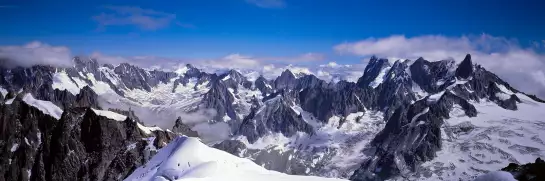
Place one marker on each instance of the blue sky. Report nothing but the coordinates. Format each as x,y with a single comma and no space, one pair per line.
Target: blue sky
507,37
206,28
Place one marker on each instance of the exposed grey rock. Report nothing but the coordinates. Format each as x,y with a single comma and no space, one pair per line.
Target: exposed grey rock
79,146
527,172
220,99
286,80
137,78
396,90
263,85
192,73
233,79
433,77
411,135
324,103
275,116
372,71
465,69
181,128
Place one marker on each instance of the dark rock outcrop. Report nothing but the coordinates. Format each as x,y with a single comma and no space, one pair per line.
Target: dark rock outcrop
137,78
372,70
275,116
220,99
181,128
527,172
286,80
342,99
79,146
263,85
465,69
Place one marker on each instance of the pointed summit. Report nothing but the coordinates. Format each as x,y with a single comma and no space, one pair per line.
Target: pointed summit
82,64
189,66
373,58
375,69
181,128
465,69
287,73
286,80
191,71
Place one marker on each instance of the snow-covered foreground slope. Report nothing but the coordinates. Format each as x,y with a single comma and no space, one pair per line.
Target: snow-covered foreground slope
188,159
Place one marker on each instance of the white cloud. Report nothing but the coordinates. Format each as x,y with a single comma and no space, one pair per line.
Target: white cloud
269,67
519,66
149,62
199,116
267,3
308,57
212,132
146,19
35,53
333,71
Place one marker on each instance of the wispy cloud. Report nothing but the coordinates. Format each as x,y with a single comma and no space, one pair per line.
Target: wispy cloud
145,19
35,53
303,58
522,67
268,3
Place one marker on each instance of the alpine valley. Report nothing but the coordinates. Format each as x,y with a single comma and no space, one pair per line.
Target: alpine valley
401,120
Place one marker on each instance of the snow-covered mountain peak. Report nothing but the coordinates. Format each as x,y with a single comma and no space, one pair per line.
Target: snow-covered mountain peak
375,72
320,127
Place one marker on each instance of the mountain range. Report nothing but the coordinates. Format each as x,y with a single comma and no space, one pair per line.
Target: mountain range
402,119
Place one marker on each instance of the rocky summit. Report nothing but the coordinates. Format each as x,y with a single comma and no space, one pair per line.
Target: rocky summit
401,120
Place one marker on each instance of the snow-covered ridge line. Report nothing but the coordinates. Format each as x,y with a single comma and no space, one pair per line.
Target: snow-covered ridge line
110,115
187,158
148,130
44,106
62,81
119,117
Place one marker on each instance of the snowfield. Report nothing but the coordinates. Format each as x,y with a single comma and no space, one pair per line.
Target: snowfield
110,115
45,106
489,142
187,158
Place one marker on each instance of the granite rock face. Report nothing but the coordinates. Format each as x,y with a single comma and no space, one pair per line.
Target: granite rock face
372,71
81,145
181,128
275,116
412,133
527,172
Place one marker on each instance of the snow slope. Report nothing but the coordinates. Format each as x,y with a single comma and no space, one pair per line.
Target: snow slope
62,81
380,77
334,150
3,91
496,137
188,159
496,176
110,115
44,106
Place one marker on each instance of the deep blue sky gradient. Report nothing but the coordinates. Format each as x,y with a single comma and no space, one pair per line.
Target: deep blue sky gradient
235,26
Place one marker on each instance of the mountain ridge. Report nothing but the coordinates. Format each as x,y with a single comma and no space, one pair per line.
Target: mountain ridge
388,107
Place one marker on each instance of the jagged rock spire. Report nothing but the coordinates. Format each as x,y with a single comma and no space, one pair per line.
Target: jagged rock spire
465,69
